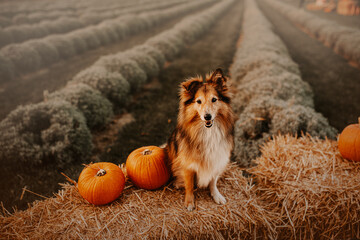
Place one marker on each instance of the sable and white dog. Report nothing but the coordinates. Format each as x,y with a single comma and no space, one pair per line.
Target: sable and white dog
199,148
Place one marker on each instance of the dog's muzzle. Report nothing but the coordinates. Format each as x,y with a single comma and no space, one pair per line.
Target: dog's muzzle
208,123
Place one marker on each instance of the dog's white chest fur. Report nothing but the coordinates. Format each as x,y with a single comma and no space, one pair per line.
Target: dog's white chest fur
215,155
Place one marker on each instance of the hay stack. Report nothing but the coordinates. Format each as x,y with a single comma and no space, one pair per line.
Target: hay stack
312,188
144,214
303,189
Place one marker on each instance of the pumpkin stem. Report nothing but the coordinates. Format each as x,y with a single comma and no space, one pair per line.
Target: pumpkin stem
147,152
359,120
100,173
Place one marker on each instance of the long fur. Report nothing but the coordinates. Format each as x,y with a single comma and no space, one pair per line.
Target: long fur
198,153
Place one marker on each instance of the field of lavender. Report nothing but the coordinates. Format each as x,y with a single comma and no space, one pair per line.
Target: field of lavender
126,96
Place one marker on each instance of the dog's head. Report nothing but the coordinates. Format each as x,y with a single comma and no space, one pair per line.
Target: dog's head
205,101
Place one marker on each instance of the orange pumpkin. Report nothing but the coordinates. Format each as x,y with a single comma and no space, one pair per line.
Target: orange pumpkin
146,167
349,142
101,183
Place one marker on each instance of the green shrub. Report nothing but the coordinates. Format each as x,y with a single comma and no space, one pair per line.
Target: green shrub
24,57
52,131
286,86
64,47
4,22
153,52
48,53
301,119
96,109
261,59
79,44
165,46
6,69
111,84
145,62
6,37
253,127
128,68
89,37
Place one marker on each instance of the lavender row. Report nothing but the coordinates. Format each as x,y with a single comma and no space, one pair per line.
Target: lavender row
271,96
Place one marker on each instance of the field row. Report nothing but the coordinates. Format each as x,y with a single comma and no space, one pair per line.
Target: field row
29,56
271,97
90,11
58,129
11,10
65,24
343,40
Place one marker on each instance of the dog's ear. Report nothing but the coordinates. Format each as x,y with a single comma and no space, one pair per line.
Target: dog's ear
191,86
218,80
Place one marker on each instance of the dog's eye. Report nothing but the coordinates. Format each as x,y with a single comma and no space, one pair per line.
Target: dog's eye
214,100
198,101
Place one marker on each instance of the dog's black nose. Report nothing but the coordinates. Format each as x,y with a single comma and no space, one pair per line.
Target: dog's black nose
207,117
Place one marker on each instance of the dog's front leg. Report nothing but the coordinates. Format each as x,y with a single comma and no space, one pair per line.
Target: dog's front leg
189,189
218,198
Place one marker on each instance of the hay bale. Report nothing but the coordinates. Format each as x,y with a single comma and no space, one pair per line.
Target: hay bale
312,188
97,110
139,214
24,57
48,132
300,188
111,84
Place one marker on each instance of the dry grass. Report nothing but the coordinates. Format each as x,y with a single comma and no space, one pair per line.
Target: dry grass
303,189
140,214
312,188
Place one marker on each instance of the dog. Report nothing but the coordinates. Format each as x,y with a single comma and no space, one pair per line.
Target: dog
200,147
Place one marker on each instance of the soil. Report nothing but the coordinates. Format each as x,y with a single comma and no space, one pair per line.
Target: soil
153,113
335,83
29,88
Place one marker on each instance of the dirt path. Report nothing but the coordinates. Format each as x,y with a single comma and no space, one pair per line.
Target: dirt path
30,88
350,21
335,83
155,112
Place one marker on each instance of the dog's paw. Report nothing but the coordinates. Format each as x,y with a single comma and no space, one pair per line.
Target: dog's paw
189,202
219,199
190,206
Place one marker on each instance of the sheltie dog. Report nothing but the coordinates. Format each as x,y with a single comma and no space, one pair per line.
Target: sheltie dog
199,148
